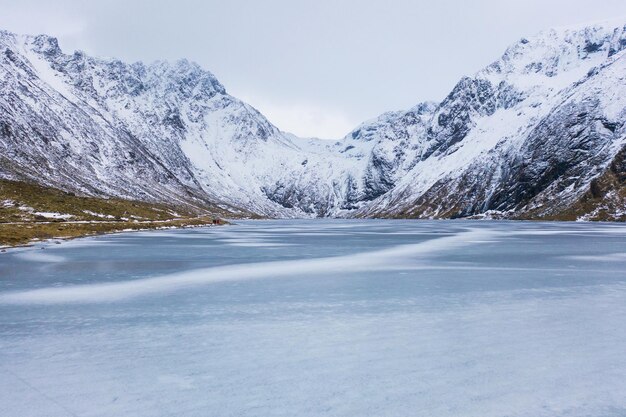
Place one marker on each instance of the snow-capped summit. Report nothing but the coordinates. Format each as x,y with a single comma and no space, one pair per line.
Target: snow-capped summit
539,132
497,141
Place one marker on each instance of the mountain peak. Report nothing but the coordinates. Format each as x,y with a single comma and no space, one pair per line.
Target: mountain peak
184,74
558,50
46,45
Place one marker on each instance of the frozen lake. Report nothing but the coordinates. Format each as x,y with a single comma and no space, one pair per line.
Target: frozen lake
319,318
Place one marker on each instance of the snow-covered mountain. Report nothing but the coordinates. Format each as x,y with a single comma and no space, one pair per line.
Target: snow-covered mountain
527,135
540,132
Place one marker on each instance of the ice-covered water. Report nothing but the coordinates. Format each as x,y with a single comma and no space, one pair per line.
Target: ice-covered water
312,318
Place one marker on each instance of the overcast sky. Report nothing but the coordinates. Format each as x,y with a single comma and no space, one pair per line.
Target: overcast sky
314,68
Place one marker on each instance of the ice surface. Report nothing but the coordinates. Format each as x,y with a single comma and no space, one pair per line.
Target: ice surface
309,318
39,256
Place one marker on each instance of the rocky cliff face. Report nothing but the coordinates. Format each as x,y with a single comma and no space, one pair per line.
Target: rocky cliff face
538,133
526,136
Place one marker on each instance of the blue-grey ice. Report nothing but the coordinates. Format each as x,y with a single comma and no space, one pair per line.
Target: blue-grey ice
319,318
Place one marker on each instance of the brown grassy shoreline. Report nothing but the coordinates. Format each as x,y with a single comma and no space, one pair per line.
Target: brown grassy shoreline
30,212
12,235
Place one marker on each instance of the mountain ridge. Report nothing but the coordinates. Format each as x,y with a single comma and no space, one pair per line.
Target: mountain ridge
532,129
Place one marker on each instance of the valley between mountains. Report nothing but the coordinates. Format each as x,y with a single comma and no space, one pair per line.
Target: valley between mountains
537,134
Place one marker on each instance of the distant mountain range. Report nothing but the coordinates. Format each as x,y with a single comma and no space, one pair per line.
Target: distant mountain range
539,133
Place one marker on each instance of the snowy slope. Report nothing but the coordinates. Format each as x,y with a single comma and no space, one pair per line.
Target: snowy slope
164,131
540,122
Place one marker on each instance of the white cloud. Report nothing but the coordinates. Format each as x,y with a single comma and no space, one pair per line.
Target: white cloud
41,19
303,119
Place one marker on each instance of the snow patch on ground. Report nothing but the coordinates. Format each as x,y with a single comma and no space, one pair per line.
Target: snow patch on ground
53,215
103,216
